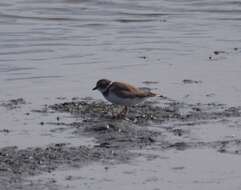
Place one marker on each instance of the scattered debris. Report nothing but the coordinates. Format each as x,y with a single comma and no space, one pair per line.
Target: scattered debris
217,52
190,81
150,82
143,57
4,131
14,103
115,139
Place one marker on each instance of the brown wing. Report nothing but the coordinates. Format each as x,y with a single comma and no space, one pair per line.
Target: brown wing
129,91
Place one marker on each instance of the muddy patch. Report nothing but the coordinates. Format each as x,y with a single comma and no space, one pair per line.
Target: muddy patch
190,81
224,54
4,131
147,82
161,125
17,164
150,112
13,103
146,124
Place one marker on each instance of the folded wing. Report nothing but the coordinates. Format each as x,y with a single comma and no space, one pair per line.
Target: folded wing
129,91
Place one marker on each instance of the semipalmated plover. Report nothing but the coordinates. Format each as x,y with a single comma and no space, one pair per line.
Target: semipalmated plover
121,93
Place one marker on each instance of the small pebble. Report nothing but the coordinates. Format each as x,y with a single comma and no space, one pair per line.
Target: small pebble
218,52
5,130
142,57
68,177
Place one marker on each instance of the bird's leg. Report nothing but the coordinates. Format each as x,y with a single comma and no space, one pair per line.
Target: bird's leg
121,114
115,115
125,110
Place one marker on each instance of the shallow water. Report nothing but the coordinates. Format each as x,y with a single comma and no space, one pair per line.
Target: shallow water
51,51
169,171
70,44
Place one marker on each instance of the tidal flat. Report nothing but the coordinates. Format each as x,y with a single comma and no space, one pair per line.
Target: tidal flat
157,127
56,133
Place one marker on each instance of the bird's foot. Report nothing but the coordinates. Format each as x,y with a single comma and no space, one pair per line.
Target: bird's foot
118,116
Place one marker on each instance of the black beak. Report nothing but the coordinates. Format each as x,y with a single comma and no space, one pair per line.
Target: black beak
94,88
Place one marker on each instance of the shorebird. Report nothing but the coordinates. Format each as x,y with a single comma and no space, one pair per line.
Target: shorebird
121,93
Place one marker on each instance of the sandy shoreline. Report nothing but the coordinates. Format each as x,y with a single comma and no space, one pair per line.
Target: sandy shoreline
53,52
164,127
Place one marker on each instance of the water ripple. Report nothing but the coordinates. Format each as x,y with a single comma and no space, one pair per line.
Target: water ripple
42,39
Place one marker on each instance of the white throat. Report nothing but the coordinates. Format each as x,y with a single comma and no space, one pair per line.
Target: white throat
104,90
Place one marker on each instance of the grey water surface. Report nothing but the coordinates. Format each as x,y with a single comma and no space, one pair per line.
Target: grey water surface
188,50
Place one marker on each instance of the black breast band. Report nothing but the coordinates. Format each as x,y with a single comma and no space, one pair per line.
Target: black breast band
106,92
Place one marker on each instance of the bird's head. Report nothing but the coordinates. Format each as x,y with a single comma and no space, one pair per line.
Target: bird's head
102,85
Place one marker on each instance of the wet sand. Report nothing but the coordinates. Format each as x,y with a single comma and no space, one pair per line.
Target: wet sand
149,131
52,54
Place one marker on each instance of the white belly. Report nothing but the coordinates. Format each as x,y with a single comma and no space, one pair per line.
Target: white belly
123,101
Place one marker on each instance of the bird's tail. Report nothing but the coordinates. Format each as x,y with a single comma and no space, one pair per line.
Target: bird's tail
151,94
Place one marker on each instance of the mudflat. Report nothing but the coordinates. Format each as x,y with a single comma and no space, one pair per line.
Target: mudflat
55,133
